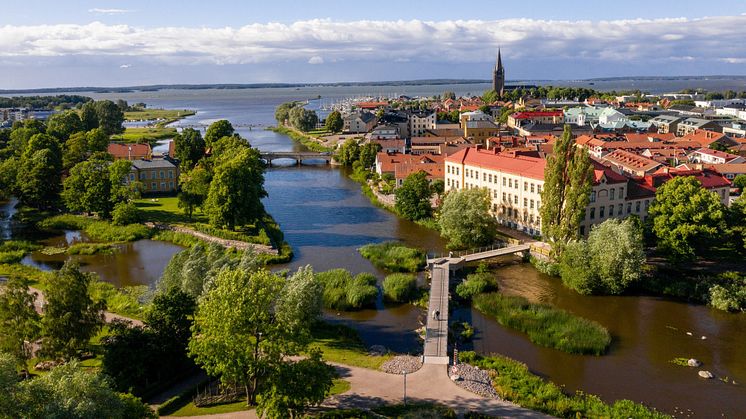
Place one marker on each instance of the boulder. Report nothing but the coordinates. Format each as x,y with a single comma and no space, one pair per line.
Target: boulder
693,362
706,374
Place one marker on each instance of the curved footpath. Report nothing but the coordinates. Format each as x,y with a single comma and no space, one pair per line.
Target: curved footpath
371,388
108,316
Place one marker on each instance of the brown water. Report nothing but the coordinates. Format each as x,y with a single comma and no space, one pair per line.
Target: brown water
647,333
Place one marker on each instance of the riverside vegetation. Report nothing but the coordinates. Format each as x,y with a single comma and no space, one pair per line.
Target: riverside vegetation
394,256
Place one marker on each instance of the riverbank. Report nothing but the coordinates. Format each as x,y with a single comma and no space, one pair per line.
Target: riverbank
312,143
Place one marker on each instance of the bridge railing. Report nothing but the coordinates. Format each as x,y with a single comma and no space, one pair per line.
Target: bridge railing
462,253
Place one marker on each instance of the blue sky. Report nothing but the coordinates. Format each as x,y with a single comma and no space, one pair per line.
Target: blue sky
114,43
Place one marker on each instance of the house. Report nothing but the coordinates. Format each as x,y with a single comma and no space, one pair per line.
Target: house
708,138
542,117
402,165
583,115
731,110
359,122
479,131
629,163
735,130
385,132
666,123
432,145
710,156
391,146
419,122
121,151
690,125
729,171
156,175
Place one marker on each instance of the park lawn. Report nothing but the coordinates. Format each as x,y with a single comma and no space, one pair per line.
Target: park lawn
342,345
166,210
144,134
153,114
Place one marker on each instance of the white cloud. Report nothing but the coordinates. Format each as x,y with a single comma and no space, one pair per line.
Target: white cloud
125,66
734,60
108,11
450,41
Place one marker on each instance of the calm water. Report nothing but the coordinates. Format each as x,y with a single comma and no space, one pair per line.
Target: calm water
325,218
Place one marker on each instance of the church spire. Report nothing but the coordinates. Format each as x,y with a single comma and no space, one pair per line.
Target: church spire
499,59
498,75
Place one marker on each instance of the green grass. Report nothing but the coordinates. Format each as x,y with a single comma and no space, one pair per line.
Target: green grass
37,278
342,291
339,386
145,134
394,256
124,301
191,410
92,249
13,256
152,114
96,229
180,239
342,344
310,142
166,210
19,245
514,382
546,325
400,288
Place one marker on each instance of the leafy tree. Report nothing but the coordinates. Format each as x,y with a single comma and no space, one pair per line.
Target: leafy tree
88,188
740,182
718,146
19,322
110,117
227,148
729,294
348,152
195,186
608,263
334,122
62,125
88,116
190,147
216,131
736,221
248,324
282,113
438,187
97,140
568,177
413,197
20,137
125,213
686,217
236,191
303,119
448,95
122,188
490,96
68,302
38,179
8,175
465,218
368,153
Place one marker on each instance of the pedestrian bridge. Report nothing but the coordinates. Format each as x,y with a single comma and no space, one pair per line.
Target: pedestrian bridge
298,156
441,266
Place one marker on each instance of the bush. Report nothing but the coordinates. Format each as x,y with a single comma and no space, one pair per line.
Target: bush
19,245
394,256
91,249
13,256
546,325
730,292
476,283
400,288
342,291
514,382
104,231
125,213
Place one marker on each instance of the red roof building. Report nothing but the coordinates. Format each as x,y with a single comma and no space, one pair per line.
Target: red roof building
122,151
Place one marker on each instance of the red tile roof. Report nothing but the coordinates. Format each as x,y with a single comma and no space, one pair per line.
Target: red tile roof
631,160
531,167
705,138
129,151
536,114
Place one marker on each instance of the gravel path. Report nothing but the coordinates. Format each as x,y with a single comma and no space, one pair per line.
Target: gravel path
475,380
401,363
240,245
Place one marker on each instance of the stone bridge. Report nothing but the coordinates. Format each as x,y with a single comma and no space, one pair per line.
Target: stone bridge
298,156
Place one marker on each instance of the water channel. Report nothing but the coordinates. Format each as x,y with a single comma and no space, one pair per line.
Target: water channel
326,218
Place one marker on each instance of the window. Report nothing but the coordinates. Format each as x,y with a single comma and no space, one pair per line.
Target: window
637,206
515,199
525,202
494,193
647,204
504,199
153,174
171,185
601,212
593,213
611,210
153,186
532,204
525,186
490,177
170,174
593,196
612,194
163,186
510,183
582,230
142,176
538,188
621,193
448,182
132,177
163,175
484,177
503,181
621,209
532,188
629,208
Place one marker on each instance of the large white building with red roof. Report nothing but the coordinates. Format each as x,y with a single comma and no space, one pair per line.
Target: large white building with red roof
515,182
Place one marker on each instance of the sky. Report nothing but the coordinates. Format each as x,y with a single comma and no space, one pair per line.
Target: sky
134,42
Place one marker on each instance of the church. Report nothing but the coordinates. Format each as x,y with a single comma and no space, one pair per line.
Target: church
498,76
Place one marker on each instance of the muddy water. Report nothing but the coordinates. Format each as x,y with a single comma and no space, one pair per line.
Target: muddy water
647,333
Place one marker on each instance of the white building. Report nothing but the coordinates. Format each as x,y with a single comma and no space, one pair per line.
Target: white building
419,122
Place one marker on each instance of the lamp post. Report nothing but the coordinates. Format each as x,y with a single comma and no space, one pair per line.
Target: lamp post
405,388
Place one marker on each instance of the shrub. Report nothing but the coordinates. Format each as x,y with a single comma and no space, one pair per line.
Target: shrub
104,231
730,292
13,256
342,291
91,249
125,213
514,382
400,288
546,325
19,245
394,256
475,284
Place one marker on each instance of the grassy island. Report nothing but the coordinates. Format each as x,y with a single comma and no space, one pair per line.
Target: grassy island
394,256
546,325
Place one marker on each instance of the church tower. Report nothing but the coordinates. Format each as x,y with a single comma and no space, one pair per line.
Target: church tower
498,76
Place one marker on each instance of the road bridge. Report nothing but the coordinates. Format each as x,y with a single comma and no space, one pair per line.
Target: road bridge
298,156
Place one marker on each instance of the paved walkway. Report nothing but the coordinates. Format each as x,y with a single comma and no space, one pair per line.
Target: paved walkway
371,388
436,330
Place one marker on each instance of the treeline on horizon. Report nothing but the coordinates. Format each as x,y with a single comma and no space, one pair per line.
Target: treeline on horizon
44,102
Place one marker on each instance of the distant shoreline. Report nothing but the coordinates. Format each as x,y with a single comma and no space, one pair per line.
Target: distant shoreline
425,82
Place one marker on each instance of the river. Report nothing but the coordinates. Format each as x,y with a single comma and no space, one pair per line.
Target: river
325,218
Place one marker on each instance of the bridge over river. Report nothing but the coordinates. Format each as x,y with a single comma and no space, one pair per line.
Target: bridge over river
298,156
441,267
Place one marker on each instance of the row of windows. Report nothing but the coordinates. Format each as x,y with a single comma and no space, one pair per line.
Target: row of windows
612,194
490,178
154,175
619,210
514,213
154,186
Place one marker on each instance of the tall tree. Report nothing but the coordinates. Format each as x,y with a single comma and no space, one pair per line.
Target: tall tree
64,124
69,302
190,148
348,152
88,116
686,217
568,179
236,191
465,218
195,186
303,119
368,154
19,321
38,179
413,197
218,130
110,117
248,325
282,113
334,122
88,188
